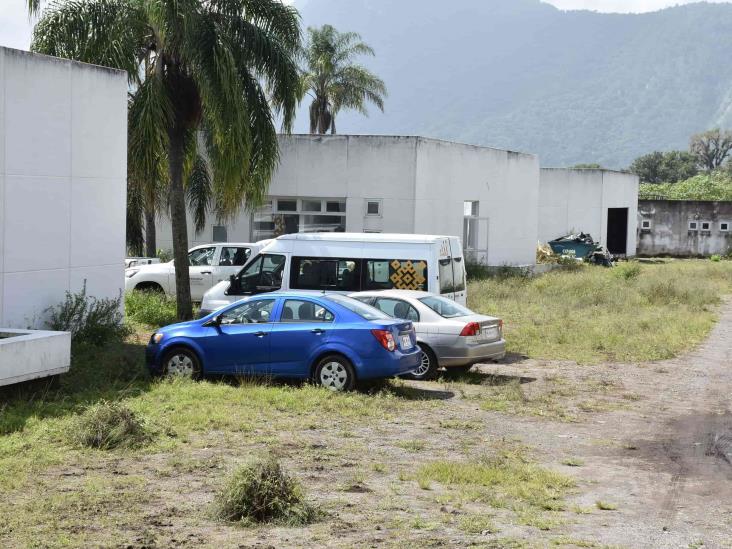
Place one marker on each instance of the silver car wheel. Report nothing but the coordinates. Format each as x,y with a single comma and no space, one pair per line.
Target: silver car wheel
334,376
179,365
424,365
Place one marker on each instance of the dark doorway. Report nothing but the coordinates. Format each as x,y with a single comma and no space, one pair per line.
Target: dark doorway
617,230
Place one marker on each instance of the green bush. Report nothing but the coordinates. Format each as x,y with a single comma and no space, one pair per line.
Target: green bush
716,257
90,320
262,492
153,308
476,271
708,186
164,255
627,271
108,425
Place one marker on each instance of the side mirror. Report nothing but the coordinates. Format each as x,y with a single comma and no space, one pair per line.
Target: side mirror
215,322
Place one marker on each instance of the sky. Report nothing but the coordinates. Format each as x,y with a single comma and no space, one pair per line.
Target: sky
16,28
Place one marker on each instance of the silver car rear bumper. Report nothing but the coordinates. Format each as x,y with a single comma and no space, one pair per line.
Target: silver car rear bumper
465,354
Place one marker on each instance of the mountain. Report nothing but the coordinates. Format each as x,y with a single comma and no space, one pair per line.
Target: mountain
571,86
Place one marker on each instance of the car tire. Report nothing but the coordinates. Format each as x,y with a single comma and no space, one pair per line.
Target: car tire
181,362
335,372
151,287
428,366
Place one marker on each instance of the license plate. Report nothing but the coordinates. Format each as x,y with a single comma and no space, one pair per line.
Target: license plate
406,341
489,333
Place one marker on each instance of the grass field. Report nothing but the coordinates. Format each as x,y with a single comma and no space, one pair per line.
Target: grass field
53,488
633,312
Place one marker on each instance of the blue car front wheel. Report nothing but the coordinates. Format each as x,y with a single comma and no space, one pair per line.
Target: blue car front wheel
335,372
181,362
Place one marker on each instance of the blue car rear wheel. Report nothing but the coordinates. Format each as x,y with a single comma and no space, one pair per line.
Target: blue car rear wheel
335,372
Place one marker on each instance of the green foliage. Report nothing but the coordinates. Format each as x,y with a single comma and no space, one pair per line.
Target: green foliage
334,80
711,148
108,425
262,492
627,271
665,167
716,257
90,320
164,255
588,166
709,186
476,271
151,308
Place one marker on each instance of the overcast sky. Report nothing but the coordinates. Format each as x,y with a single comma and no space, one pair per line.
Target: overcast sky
15,28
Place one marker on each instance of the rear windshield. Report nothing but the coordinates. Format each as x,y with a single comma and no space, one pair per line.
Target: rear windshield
361,309
446,308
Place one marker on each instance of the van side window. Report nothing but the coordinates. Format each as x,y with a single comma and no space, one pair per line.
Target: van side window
403,274
312,273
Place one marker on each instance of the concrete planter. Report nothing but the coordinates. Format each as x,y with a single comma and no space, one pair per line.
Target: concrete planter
31,354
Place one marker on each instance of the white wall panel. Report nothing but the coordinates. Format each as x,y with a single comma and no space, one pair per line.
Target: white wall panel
37,219
27,295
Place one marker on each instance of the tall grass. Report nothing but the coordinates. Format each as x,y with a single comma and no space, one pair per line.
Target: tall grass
151,308
633,312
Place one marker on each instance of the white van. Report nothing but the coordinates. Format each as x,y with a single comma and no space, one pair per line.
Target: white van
348,262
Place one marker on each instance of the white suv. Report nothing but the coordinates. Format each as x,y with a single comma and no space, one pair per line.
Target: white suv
209,265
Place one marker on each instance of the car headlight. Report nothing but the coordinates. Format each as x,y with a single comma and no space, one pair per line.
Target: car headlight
155,338
129,273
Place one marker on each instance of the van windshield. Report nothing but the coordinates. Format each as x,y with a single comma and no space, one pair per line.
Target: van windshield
361,309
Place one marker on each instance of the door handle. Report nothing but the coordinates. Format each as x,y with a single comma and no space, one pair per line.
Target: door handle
260,334
205,272
318,331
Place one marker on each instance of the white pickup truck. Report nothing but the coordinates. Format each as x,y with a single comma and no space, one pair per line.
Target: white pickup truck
209,265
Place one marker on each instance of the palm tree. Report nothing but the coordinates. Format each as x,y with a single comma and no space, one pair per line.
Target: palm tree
332,79
206,76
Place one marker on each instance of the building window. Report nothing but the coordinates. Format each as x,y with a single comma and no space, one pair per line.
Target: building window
373,208
475,232
646,225
279,216
219,234
693,226
706,226
724,226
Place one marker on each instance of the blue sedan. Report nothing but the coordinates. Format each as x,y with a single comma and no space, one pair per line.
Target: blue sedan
333,339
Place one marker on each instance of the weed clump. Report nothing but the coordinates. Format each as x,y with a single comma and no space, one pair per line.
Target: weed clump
90,320
109,425
627,271
262,492
149,307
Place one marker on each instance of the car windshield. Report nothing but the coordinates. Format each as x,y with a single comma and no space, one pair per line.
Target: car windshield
361,309
444,307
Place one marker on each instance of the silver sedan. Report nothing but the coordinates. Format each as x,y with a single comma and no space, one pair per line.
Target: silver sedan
449,334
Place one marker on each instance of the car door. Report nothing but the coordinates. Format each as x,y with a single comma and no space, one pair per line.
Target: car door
241,344
201,265
231,260
298,335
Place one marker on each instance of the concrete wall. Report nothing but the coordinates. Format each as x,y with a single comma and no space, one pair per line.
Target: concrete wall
669,232
63,165
574,200
422,184
506,185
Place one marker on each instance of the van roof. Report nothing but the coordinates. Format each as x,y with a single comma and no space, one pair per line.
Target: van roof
364,237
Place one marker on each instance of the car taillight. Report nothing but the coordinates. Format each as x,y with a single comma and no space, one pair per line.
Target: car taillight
385,338
471,329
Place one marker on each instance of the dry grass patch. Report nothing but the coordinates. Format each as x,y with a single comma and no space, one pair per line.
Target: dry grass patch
629,313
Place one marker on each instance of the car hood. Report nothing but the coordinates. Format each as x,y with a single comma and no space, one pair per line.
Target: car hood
171,328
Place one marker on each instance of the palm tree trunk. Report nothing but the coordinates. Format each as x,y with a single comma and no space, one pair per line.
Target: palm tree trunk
150,244
179,224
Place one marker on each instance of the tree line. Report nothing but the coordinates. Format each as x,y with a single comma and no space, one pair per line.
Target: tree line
207,80
708,151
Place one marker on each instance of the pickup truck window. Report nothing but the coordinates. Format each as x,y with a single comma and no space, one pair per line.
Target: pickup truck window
201,257
234,257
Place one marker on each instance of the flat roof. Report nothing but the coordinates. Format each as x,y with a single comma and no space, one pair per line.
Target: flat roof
363,237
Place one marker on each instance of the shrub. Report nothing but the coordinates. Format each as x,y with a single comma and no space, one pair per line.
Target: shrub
716,257
627,271
164,255
108,425
153,308
475,270
262,492
90,320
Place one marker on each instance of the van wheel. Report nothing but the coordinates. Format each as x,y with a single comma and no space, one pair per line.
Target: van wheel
336,373
181,363
428,366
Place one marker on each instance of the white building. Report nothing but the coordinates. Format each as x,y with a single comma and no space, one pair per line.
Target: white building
602,203
63,163
399,185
